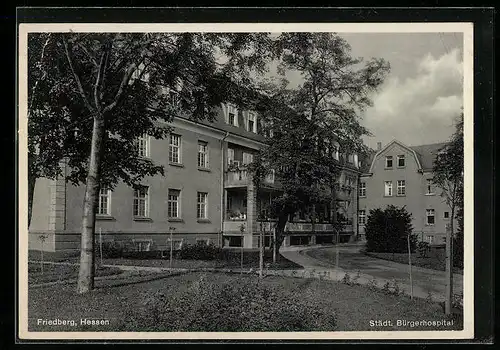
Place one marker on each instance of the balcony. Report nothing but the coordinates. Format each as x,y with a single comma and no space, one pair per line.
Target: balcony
234,226
240,178
307,227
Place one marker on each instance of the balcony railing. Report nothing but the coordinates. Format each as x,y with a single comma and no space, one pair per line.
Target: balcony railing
241,177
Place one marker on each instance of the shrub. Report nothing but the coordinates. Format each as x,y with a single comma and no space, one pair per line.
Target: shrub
245,304
201,251
423,248
387,230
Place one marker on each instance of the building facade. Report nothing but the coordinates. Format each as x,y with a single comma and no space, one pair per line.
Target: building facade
205,195
402,176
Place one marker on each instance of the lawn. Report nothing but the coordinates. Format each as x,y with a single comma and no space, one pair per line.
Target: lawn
123,304
53,273
435,259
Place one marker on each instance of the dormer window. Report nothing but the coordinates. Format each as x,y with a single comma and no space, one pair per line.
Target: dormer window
232,115
252,122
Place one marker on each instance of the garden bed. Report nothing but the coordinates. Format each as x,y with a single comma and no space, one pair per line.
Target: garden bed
55,273
225,302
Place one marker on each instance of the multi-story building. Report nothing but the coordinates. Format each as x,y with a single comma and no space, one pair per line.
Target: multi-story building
206,194
402,176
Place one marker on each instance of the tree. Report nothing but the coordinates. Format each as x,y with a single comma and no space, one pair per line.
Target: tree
112,88
305,123
387,230
448,176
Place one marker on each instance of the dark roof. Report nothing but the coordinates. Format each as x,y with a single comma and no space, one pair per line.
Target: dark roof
427,153
220,124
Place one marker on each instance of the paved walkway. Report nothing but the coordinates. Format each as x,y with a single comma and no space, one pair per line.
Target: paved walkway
368,269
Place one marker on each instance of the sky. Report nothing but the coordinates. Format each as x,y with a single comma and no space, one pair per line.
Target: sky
422,94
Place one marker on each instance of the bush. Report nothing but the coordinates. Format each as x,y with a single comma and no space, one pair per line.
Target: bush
244,304
201,251
387,230
423,248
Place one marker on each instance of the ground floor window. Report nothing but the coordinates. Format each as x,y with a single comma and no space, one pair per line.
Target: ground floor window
235,241
362,217
429,239
142,245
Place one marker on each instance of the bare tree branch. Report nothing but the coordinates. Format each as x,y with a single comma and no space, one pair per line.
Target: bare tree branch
125,80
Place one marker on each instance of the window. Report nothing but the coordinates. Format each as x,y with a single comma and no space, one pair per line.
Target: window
362,189
247,158
336,153
173,98
430,187
401,188
232,115
446,215
401,160
202,155
270,176
174,150
230,156
203,241
141,198
142,245
142,146
173,204
104,206
202,204
176,243
252,122
362,217
388,161
429,239
139,73
388,188
430,216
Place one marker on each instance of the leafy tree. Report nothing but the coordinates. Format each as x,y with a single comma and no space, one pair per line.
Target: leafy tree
305,122
388,230
107,89
448,176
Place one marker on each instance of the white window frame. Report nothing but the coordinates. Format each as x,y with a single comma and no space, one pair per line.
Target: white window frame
203,155
230,156
138,243
399,157
247,158
202,206
143,146
138,198
172,147
444,216
362,217
176,243
388,189
107,195
251,116
429,190
231,109
271,176
362,189
429,239
202,239
401,188
171,201
387,158
430,213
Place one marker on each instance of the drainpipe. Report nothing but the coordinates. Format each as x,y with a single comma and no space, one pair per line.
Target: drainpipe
222,207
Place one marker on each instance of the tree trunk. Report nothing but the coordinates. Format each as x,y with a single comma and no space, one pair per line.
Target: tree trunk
449,265
280,230
87,261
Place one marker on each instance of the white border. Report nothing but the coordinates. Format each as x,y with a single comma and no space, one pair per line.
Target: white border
468,285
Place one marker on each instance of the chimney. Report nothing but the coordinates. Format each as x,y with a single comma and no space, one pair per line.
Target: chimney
379,146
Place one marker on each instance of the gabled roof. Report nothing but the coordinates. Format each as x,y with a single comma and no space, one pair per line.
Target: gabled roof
390,144
427,154
424,154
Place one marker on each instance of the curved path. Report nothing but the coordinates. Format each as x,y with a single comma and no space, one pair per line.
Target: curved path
350,260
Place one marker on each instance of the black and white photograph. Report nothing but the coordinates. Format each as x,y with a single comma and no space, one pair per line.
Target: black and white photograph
246,180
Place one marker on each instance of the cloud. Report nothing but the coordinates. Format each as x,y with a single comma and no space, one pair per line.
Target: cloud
419,109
